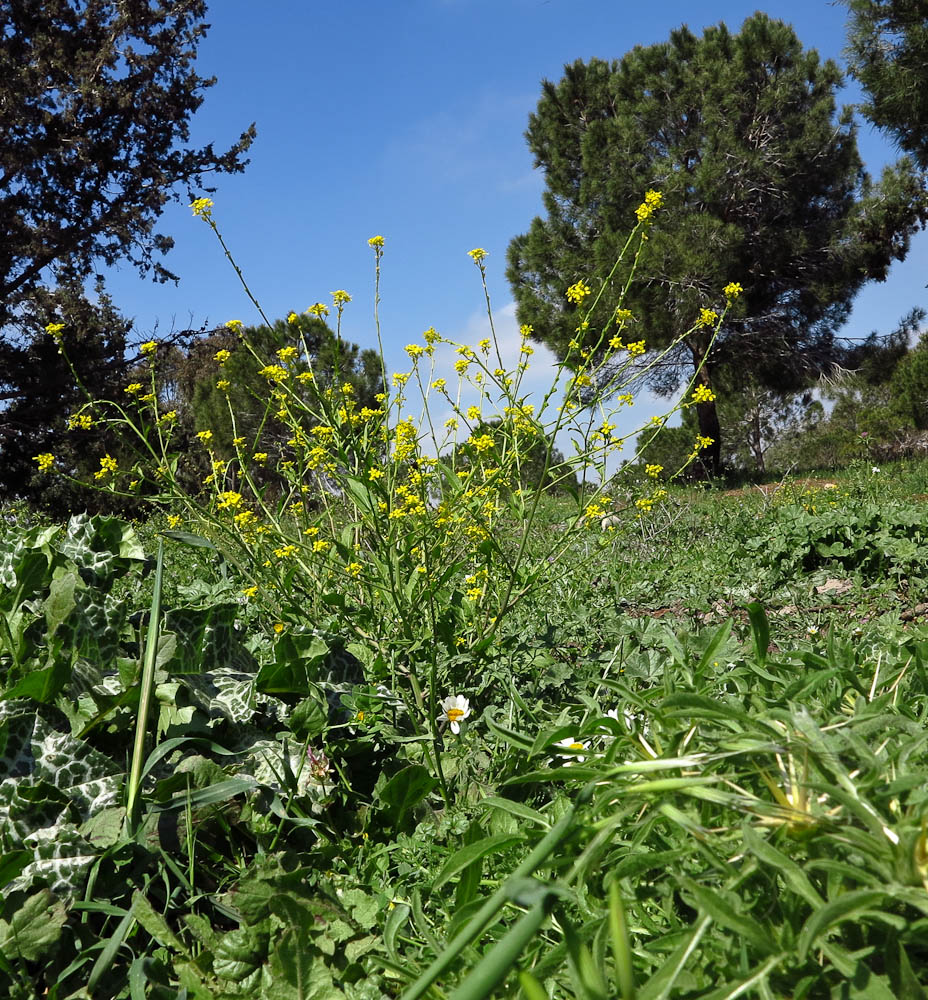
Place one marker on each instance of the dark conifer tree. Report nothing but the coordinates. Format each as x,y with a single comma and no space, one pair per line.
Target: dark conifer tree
762,184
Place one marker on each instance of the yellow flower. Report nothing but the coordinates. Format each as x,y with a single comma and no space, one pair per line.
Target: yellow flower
274,373
616,343
202,207
81,421
149,397
482,443
473,413
149,348
134,388
703,442
431,336
245,518
635,349
205,436
375,241
578,292
288,353
414,350
54,329
223,384
46,461
340,297
707,317
653,470
229,498
319,309
703,394
235,325
477,254
286,551
451,423
169,417
354,570
732,290
484,345
108,467
260,457
321,545
222,356
439,384
250,592
375,473
174,521
292,318
461,365
652,202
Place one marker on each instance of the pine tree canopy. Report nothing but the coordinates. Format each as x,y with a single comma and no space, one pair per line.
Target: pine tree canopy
95,103
888,53
762,184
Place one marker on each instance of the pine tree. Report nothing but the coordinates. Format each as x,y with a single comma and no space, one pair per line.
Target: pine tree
888,54
762,184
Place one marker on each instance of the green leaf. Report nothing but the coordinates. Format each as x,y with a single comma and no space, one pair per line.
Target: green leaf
474,852
851,904
60,601
296,666
12,864
34,929
717,907
404,791
760,631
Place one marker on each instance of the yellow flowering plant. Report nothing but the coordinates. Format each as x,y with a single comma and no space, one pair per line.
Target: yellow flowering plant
388,514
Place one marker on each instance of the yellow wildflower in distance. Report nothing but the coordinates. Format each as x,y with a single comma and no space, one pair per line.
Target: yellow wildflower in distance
174,521
235,325
318,309
222,356
707,317
635,349
229,498
205,436
375,241
578,291
223,384
134,388
46,461
260,457
477,254
81,421
732,290
149,348
354,570
108,467
340,297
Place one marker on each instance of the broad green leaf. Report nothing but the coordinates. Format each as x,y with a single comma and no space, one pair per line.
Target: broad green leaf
405,790
34,929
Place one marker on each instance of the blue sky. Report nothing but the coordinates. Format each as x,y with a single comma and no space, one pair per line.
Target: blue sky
407,119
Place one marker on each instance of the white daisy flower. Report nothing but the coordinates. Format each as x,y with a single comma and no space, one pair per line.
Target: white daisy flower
454,709
571,743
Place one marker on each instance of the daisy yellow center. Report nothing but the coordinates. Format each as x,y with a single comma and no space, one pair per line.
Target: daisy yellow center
576,746
455,713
